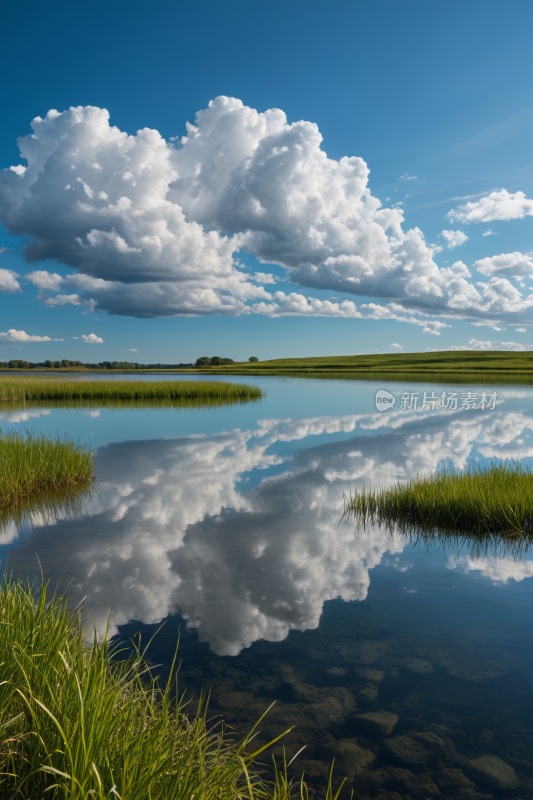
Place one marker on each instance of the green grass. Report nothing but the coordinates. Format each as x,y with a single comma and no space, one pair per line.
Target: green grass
456,363
479,501
78,723
32,389
35,463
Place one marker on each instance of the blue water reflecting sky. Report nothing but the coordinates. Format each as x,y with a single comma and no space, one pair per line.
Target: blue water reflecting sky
225,524
191,498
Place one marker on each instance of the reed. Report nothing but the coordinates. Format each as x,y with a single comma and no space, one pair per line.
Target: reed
479,501
78,723
32,463
32,389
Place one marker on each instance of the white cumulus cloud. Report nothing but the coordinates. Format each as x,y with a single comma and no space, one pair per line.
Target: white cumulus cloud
454,238
8,281
154,228
92,338
475,344
513,263
13,335
501,205
397,346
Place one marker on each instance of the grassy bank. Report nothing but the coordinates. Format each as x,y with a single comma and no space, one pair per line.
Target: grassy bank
31,389
450,362
77,723
35,463
480,501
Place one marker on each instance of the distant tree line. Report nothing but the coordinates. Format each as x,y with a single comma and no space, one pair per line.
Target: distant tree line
204,361
214,361
20,364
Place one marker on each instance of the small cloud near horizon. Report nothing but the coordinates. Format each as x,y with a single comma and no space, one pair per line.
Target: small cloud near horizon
92,338
21,336
398,346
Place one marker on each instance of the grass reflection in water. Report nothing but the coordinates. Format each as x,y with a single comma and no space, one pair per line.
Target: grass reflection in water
46,507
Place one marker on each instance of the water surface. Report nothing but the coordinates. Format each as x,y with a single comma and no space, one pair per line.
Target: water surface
226,525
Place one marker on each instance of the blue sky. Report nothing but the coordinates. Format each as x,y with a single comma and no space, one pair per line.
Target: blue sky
434,98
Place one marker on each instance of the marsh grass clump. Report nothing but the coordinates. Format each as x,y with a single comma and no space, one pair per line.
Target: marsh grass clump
78,722
480,501
34,463
31,389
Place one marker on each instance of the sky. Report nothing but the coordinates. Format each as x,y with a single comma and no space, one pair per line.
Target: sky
272,180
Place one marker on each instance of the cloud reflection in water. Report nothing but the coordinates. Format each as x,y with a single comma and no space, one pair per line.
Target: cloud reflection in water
176,532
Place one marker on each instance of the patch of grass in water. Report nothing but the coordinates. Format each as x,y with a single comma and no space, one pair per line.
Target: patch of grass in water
479,501
31,389
79,723
33,463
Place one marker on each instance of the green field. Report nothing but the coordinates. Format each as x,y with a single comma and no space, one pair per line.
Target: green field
464,363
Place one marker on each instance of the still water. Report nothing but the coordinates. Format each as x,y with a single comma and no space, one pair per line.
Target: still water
406,661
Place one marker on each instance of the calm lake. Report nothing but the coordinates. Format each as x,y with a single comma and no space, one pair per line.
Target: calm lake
405,661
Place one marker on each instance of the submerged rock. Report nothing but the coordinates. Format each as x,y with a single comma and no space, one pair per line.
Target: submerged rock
422,784
366,652
466,794
313,768
382,782
494,772
408,750
336,671
452,778
372,675
368,694
353,759
381,722
418,666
